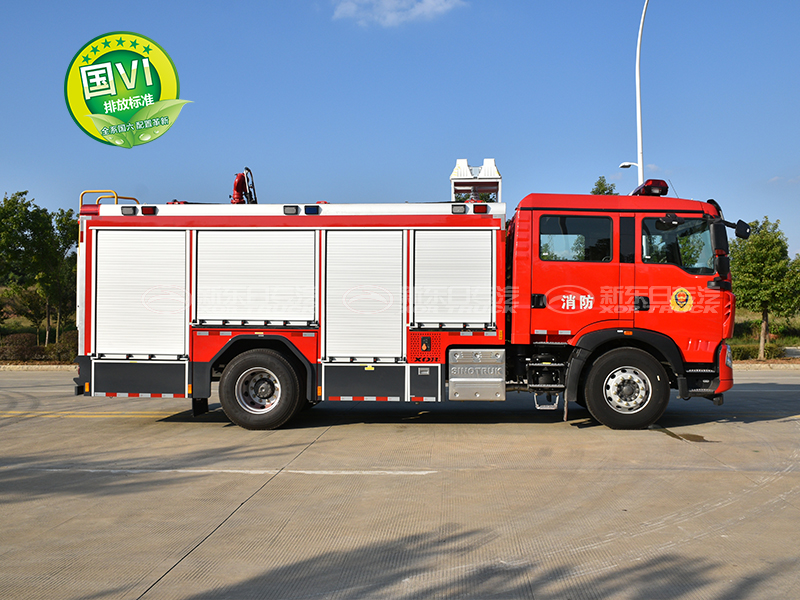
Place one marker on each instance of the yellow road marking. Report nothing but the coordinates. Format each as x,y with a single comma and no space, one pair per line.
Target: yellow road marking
78,415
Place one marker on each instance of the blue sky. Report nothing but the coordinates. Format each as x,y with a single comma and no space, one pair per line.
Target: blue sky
374,100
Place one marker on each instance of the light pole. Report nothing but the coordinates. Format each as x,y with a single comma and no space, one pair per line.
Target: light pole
639,164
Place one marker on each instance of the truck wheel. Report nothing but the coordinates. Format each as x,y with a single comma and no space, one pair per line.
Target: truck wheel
627,389
259,390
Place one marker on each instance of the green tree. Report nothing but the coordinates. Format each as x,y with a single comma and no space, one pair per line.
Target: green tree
27,302
23,229
765,279
57,271
37,259
603,188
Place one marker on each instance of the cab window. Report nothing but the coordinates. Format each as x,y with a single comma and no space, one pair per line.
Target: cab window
583,239
687,245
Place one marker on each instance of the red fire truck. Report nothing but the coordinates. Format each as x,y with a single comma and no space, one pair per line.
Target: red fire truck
606,301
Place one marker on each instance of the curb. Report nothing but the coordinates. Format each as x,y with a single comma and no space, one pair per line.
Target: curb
38,367
766,367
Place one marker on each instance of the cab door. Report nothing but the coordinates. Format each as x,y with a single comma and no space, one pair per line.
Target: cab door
674,264
576,272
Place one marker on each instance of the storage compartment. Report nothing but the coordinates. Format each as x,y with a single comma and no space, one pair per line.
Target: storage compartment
364,303
424,383
256,276
477,374
146,377
140,291
454,278
364,382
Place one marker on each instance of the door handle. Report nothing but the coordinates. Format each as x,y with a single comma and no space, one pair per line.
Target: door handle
641,303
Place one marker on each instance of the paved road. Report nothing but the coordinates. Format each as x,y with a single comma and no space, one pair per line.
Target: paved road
137,499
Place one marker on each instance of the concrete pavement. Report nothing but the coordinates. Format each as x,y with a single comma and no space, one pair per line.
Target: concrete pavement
136,499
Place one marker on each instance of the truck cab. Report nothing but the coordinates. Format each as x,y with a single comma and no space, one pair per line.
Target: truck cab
620,298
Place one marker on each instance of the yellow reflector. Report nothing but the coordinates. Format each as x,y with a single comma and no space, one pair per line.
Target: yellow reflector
86,386
190,388
319,390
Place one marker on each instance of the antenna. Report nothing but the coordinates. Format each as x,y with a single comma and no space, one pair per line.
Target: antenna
673,188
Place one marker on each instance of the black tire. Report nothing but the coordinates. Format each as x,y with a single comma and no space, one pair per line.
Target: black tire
581,399
627,389
259,390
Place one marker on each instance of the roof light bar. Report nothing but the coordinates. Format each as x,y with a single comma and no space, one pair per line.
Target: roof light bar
652,187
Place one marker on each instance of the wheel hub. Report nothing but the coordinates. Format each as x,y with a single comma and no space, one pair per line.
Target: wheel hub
627,390
258,390
264,388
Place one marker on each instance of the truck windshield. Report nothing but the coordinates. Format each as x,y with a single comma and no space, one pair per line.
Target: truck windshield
687,246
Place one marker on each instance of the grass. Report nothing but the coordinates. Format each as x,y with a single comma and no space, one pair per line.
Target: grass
22,325
783,331
16,325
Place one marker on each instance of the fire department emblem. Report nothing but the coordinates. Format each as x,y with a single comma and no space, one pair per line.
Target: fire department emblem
122,89
681,300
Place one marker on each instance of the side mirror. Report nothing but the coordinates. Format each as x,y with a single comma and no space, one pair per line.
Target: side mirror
668,222
742,230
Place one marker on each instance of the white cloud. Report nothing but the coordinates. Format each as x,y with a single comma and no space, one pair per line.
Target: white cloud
775,180
653,168
390,13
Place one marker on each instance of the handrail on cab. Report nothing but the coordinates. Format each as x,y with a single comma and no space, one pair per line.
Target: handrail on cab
109,194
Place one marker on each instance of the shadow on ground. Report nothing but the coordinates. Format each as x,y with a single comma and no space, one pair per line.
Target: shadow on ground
445,564
747,403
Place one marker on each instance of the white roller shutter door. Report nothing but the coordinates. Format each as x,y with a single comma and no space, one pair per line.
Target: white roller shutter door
364,299
141,299
256,275
454,277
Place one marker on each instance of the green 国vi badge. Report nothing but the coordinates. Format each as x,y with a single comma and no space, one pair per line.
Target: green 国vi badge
122,89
